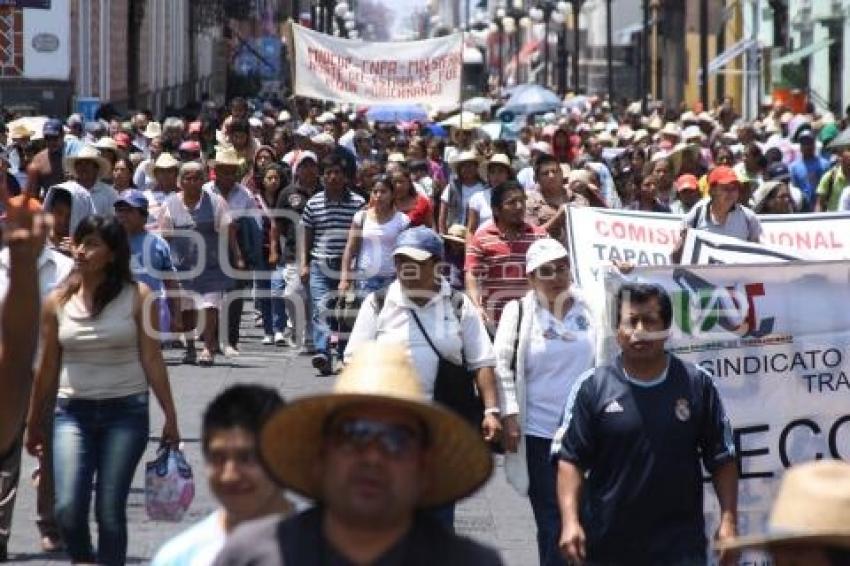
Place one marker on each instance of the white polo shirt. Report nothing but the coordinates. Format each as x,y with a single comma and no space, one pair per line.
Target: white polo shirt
395,325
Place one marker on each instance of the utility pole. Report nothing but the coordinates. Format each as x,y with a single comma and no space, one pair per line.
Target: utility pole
609,25
703,51
643,68
576,44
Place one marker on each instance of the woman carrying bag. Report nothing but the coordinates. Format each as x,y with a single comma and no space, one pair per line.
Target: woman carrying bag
544,343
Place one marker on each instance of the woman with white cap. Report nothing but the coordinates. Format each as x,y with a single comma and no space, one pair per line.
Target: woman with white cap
544,342
498,170
465,183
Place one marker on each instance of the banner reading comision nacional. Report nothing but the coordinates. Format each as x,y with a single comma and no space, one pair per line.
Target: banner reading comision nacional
598,236
776,339
369,73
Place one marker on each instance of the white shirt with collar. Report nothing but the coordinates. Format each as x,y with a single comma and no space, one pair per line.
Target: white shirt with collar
103,197
395,325
240,201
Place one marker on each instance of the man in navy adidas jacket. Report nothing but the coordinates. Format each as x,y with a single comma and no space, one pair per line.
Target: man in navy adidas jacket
630,483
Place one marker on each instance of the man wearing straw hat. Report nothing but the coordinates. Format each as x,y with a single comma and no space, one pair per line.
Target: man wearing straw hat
88,168
372,454
809,523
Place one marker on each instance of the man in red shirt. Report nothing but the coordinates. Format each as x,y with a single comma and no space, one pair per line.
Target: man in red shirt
495,257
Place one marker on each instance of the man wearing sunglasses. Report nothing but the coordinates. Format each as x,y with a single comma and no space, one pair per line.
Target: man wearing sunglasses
372,454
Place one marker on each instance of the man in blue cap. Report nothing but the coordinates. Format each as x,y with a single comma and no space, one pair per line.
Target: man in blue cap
150,256
47,165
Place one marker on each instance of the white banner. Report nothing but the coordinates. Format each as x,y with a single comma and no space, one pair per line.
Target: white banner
706,248
776,338
368,73
599,236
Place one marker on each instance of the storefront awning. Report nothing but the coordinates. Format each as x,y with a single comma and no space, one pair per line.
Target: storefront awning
796,56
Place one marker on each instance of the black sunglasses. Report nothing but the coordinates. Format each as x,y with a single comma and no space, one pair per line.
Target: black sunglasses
394,441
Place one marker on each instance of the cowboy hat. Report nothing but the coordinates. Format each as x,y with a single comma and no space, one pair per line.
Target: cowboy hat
228,156
164,161
496,159
106,144
153,130
671,129
20,131
89,153
467,156
812,507
456,233
379,374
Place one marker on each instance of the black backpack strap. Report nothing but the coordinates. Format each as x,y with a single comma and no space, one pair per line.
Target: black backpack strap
516,339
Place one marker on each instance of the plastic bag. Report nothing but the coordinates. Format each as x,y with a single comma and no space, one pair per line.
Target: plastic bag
169,486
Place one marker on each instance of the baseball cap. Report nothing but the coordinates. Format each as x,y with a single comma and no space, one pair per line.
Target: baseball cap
306,130
190,146
305,155
323,139
777,171
52,128
685,182
722,175
195,127
419,243
805,134
133,198
543,251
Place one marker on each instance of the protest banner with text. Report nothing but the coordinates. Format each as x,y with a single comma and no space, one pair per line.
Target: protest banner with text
599,236
370,73
779,352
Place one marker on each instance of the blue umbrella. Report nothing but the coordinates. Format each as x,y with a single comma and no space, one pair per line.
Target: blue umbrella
532,99
397,113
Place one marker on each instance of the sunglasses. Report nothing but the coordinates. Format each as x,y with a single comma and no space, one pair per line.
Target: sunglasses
394,441
549,271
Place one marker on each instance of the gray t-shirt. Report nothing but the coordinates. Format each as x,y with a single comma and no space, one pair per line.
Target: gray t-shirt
299,541
741,223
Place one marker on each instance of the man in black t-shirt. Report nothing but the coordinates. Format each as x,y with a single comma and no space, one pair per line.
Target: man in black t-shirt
629,478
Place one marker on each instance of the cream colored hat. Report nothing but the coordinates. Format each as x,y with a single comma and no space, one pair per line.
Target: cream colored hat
464,157
89,153
153,130
496,159
228,156
164,161
20,131
107,143
456,233
812,507
291,441
671,129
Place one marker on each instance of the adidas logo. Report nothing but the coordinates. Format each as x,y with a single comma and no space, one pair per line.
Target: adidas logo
614,407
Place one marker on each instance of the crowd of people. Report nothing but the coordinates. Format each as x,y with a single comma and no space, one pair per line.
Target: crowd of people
432,263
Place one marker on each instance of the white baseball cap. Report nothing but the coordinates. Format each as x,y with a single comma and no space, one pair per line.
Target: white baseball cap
543,251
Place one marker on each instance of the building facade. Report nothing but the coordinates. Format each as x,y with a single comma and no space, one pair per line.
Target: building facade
151,54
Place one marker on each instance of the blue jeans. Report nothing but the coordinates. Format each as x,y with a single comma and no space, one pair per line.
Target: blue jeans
272,308
542,494
102,439
374,283
323,290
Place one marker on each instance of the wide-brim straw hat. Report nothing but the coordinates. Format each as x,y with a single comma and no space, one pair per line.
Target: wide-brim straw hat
152,130
291,442
89,153
20,131
228,156
164,161
496,159
456,233
812,508
467,156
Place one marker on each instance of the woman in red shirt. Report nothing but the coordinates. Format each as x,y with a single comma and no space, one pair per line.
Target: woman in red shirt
408,200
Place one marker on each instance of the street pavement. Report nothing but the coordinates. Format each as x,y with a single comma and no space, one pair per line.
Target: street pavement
496,515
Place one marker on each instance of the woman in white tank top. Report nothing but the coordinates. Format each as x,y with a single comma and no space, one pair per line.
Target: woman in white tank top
99,357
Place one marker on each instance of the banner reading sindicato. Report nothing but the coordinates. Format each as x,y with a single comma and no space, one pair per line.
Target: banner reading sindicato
369,73
776,339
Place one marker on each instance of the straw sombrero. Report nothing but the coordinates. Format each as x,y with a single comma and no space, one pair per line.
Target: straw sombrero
812,507
89,153
467,156
164,161
456,233
291,440
496,159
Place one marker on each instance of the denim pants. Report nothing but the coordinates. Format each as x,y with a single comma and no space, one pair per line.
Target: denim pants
323,290
234,310
102,439
375,283
542,494
272,307
296,301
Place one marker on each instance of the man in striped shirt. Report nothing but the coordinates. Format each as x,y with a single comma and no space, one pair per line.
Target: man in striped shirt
326,220
495,257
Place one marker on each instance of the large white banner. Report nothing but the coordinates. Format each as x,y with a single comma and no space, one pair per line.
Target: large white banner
706,248
599,236
370,73
776,338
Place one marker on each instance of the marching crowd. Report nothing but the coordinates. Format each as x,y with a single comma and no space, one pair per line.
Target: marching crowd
430,262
